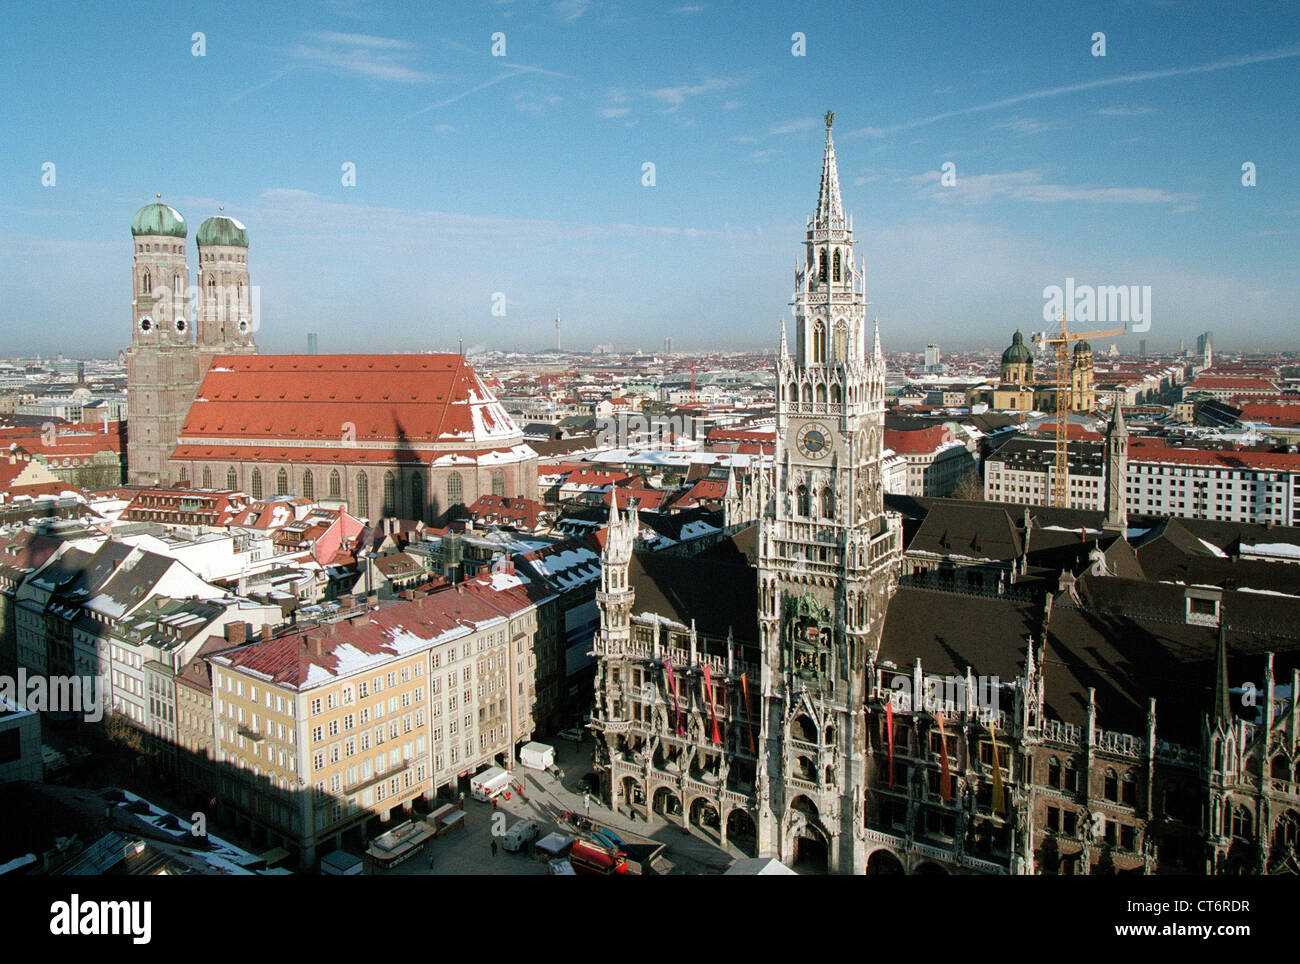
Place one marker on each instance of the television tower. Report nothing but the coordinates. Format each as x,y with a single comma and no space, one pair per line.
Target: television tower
557,331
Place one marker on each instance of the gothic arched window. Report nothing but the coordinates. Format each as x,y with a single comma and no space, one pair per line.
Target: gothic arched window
183,474
256,484
1111,790
828,503
207,476
308,485
821,394
335,488
835,268
455,495
841,343
146,283
363,496
282,482
417,497
807,393
821,266
819,344
390,495
232,481
498,483
804,502
836,394
1241,823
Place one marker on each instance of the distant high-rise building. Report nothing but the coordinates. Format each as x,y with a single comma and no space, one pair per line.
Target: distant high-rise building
311,343
557,331
1142,348
668,345
931,356
1203,341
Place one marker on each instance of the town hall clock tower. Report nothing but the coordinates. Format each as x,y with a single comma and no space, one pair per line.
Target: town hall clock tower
829,555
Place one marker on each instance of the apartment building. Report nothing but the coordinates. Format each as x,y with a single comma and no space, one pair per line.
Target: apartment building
318,730
936,460
1160,480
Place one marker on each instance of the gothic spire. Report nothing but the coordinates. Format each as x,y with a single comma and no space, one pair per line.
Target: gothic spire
784,350
1117,427
876,353
1222,697
830,207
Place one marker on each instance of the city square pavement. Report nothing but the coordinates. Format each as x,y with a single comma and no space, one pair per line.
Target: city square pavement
468,850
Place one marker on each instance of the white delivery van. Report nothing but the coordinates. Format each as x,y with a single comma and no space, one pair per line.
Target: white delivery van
489,783
520,836
537,756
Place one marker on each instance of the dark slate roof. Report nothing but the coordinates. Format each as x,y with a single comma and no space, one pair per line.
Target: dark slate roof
980,530
719,596
1127,639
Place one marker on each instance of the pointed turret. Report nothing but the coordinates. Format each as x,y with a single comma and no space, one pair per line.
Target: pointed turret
830,207
1222,698
1117,471
785,353
876,353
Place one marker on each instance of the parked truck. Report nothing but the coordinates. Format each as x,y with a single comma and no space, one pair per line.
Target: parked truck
489,783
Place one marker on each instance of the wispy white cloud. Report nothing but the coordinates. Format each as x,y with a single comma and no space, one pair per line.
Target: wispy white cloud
675,96
514,70
1227,63
803,124
1029,186
377,58
615,111
571,10
1125,111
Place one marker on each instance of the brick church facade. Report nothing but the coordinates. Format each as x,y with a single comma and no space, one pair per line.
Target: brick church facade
409,436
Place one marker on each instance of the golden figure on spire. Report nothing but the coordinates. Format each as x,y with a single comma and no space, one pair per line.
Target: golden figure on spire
830,118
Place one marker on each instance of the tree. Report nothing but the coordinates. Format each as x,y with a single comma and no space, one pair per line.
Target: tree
969,487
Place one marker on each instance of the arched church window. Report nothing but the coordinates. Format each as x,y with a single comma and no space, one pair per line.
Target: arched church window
207,476
184,474
455,494
417,497
819,344
232,480
363,496
836,395
282,482
499,483
792,394
807,393
255,485
841,343
146,284
828,503
308,485
821,394
390,495
836,265
804,503
821,266
335,488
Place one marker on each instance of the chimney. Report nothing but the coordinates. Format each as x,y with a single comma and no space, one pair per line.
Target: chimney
266,631
237,633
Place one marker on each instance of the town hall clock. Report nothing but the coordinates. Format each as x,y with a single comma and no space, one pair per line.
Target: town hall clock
813,441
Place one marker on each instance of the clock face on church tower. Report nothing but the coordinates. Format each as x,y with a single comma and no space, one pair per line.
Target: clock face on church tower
813,441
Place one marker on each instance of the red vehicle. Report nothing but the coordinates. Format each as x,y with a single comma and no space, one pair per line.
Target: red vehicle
591,859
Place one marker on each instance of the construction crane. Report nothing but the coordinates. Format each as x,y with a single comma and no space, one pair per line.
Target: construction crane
1060,481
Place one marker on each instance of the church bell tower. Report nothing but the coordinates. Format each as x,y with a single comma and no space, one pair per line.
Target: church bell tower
828,553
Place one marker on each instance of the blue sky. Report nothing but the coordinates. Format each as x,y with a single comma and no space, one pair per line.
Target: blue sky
523,174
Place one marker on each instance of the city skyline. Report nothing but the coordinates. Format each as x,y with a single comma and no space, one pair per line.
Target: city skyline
520,179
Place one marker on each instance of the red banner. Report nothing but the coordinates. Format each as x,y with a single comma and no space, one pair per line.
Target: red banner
713,716
945,785
677,706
